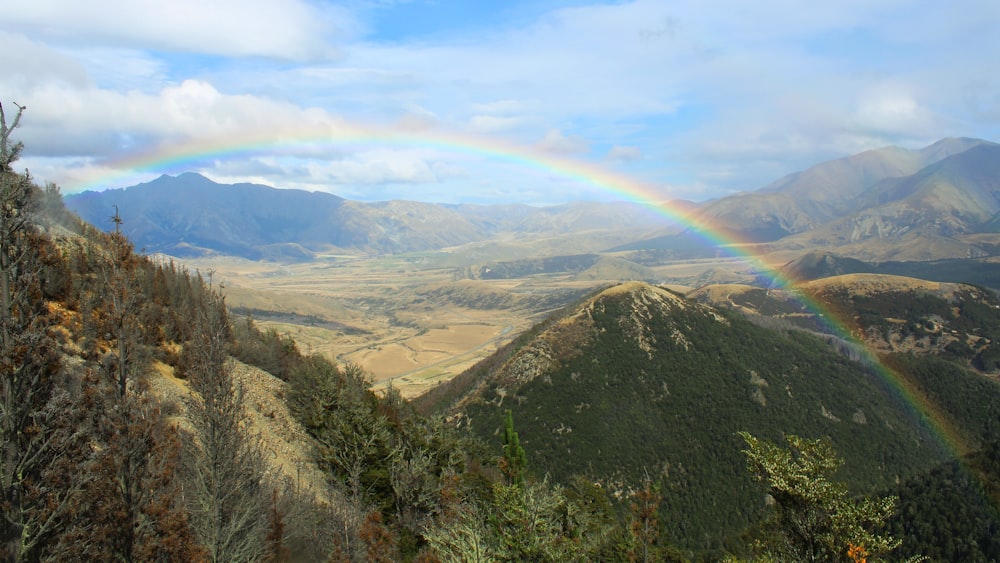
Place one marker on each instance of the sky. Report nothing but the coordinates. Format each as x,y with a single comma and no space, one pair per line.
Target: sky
488,101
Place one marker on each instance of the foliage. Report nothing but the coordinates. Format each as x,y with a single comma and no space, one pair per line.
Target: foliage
38,443
647,539
814,517
533,522
966,402
268,350
964,328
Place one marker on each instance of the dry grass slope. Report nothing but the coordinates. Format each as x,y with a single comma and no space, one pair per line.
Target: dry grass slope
285,443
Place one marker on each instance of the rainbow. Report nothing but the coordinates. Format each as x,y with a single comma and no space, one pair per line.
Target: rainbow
188,155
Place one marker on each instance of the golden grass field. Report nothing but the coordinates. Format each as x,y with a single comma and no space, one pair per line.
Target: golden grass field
410,320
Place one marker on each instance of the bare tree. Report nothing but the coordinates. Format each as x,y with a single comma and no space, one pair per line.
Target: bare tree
15,210
9,152
224,468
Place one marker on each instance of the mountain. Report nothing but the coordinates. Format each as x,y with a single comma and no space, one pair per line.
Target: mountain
837,182
190,215
803,200
818,264
955,196
637,380
632,382
885,204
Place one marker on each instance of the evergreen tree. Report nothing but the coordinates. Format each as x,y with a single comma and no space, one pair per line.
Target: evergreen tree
514,459
131,510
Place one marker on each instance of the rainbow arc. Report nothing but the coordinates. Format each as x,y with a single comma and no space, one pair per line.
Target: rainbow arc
190,154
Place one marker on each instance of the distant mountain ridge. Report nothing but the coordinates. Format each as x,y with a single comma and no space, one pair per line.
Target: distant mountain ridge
883,204
191,215
888,203
957,195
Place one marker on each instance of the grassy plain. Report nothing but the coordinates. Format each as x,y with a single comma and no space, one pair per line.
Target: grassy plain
414,320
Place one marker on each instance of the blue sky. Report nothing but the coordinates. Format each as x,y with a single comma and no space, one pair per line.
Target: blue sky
693,99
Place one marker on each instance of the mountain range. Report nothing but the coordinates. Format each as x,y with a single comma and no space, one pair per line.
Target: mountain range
190,215
886,204
825,192
941,201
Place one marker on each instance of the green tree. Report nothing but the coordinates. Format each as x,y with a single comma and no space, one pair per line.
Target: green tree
514,459
814,517
528,523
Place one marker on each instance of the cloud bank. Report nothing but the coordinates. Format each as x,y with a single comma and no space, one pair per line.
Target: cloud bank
693,99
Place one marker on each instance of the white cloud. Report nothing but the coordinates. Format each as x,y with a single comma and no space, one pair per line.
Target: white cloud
98,122
893,109
287,29
556,142
381,166
724,97
25,63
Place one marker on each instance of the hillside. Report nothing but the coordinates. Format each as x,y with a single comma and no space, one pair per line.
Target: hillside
141,421
639,380
823,264
923,216
889,313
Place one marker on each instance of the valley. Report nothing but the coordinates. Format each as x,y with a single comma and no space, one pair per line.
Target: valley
413,320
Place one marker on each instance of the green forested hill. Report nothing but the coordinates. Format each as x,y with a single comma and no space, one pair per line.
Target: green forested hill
639,381
951,513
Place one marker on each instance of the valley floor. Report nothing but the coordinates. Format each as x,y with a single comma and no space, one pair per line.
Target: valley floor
410,320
